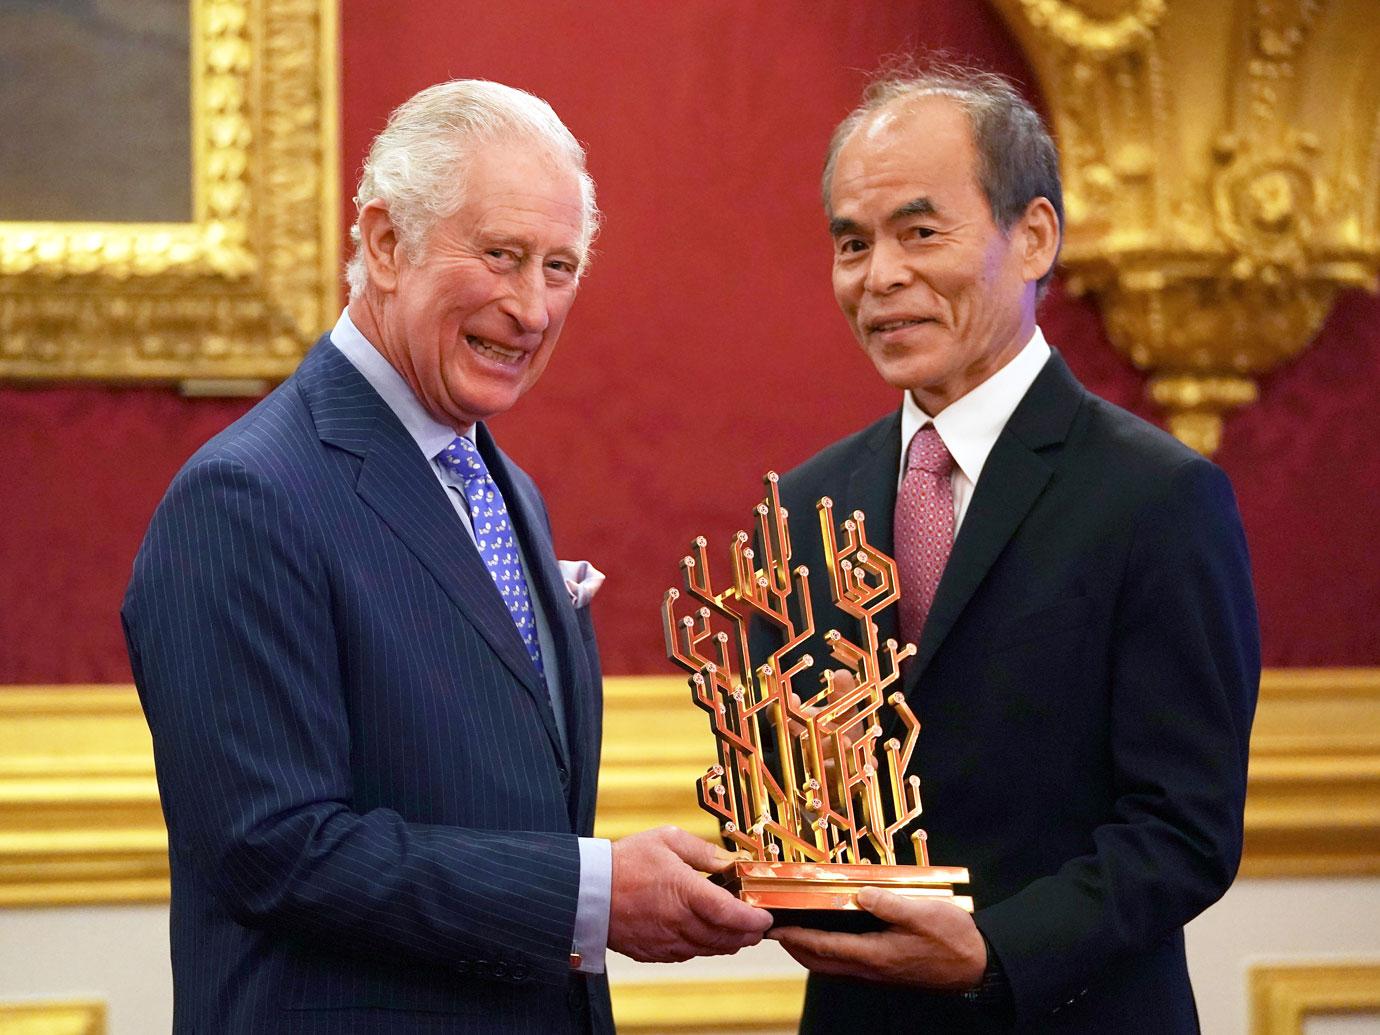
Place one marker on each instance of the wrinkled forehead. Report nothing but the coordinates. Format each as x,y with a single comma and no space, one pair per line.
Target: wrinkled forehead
923,143
533,181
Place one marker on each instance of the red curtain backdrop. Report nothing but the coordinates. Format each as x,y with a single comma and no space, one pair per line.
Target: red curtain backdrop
705,347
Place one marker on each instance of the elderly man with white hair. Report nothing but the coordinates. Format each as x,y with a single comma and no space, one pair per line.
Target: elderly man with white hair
374,692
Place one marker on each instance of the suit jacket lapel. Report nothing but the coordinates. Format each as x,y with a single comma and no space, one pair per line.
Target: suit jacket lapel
397,484
1016,472
572,675
872,489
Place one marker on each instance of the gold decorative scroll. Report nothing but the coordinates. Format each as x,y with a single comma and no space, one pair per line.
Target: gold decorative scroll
240,291
810,813
1221,167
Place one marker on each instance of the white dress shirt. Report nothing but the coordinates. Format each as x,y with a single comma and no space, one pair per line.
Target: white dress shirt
970,425
431,436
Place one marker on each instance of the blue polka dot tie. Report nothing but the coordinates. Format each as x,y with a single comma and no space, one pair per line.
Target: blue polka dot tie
493,534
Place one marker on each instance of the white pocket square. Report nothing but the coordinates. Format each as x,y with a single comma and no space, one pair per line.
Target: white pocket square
583,580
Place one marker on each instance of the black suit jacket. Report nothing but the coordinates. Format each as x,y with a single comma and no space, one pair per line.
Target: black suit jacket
372,822
1086,682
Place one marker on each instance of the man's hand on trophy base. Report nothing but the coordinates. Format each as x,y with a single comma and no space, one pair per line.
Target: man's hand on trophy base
664,911
843,681
929,943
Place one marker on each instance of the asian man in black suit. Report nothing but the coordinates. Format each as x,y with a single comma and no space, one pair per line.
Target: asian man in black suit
1078,585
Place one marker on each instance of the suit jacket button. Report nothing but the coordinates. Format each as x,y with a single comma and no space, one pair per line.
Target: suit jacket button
500,969
565,775
519,972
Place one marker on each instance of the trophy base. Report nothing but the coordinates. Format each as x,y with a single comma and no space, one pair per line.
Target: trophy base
825,895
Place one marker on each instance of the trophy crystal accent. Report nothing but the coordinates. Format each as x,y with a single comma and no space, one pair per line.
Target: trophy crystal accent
797,786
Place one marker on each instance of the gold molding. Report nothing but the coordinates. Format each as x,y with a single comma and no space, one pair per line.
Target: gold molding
79,813
725,1007
80,819
78,1017
656,745
240,291
1220,165
1313,805
1284,995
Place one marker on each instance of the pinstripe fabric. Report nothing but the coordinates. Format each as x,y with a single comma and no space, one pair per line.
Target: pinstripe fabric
372,822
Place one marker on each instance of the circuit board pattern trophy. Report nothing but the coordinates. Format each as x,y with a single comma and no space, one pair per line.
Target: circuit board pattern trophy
798,784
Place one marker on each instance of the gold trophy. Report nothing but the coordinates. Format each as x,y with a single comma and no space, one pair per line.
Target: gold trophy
797,786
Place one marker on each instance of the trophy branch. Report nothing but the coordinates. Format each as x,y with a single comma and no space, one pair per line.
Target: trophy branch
797,785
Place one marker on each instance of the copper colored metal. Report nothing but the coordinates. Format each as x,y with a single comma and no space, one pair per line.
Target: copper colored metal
804,784
810,886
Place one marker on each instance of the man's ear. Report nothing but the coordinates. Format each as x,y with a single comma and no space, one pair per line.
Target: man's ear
378,243
1038,239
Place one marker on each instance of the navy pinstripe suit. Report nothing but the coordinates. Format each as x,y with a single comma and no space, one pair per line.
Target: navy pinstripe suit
373,826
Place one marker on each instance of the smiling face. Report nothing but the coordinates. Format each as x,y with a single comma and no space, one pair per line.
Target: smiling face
472,325
937,295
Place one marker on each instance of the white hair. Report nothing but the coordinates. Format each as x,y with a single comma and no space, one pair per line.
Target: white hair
417,165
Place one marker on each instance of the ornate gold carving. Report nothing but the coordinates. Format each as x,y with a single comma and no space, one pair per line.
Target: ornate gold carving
240,291
1267,205
1102,29
79,1017
1221,174
1285,995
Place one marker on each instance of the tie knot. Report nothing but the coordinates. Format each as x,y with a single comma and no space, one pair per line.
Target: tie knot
928,452
462,457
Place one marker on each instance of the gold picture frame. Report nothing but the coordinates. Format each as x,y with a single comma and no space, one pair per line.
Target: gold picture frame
233,298
1283,996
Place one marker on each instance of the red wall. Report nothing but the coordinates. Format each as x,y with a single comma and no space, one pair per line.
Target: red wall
705,347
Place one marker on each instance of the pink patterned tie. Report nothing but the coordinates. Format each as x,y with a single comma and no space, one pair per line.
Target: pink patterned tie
924,527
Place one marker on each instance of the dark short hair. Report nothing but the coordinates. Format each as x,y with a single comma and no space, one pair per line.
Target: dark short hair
1017,160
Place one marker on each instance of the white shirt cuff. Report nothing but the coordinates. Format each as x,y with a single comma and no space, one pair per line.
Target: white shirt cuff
592,906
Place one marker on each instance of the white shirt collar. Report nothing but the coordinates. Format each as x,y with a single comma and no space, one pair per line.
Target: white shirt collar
970,425
430,434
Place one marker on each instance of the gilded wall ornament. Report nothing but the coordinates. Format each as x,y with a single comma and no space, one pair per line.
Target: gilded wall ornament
1221,179
239,292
